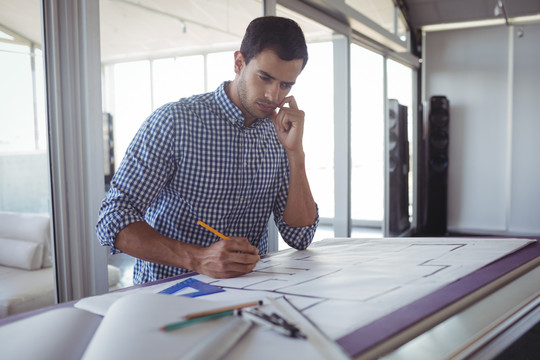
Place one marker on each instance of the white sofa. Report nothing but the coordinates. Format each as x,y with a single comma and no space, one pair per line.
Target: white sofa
26,272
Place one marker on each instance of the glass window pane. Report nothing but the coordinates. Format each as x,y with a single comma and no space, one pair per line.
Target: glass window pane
400,83
220,67
25,197
314,93
400,88
379,11
16,99
41,108
367,134
132,103
175,78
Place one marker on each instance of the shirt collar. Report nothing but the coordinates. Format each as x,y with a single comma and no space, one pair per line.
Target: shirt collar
231,111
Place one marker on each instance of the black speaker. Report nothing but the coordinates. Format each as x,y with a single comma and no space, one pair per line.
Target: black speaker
108,149
437,166
398,168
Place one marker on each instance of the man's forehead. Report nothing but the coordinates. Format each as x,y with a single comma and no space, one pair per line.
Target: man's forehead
268,63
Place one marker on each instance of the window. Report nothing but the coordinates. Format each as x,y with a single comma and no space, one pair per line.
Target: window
382,13
132,94
25,197
23,136
314,93
219,67
22,112
174,78
367,129
400,88
367,134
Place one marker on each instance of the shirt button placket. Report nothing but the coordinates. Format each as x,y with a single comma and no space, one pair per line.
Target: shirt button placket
245,160
243,165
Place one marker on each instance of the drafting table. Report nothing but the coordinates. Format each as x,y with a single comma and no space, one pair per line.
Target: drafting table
393,298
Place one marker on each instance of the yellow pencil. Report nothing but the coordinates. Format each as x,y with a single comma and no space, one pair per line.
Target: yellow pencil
213,230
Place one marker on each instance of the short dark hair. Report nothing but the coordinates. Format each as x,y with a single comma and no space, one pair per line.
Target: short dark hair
279,34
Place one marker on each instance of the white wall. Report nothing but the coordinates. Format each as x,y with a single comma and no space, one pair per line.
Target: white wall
525,189
492,80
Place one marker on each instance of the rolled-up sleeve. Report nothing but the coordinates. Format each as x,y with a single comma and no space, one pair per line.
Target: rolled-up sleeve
114,215
297,237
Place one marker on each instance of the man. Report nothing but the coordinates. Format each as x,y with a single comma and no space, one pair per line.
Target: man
228,158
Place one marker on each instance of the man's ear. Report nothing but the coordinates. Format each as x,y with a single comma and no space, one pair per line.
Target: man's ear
239,62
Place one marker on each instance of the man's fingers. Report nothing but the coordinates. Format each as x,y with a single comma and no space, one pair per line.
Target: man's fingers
229,258
243,259
285,118
236,244
232,273
289,100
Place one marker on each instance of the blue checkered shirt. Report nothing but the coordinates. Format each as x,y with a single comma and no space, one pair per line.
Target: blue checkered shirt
195,160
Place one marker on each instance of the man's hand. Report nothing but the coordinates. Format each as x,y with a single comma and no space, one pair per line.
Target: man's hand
227,258
300,209
289,125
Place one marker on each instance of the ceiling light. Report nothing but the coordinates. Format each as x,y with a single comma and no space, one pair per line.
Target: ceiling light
500,9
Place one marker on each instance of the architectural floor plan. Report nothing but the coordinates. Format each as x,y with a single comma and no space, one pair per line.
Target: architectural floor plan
343,284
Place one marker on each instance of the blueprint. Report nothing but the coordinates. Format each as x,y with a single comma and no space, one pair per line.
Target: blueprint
342,284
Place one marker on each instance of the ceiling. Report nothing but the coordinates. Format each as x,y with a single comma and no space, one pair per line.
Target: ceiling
431,12
156,28
22,17
131,28
135,27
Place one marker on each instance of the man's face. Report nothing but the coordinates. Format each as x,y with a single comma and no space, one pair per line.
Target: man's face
264,83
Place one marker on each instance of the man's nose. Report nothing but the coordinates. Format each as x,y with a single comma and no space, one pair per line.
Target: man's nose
272,92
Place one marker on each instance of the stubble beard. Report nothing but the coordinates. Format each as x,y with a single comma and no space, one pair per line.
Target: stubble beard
245,102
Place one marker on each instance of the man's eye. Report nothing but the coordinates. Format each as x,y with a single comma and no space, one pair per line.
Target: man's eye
286,86
264,78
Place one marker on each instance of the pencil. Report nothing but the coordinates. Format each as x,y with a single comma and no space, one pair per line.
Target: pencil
181,324
213,230
221,310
